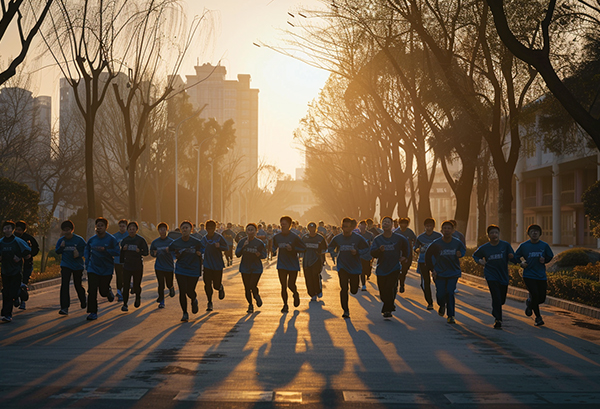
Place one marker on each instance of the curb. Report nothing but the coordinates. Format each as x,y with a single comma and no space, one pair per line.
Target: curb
520,294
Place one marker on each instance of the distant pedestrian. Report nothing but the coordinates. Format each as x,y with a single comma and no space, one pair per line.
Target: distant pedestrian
229,237
71,247
533,255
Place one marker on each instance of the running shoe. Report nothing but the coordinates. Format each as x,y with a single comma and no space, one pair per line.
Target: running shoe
285,309
402,288
528,310
221,292
498,324
110,297
539,321
63,311
92,316
320,295
250,309
364,288
296,299
195,306
138,301
209,306
172,292
124,308
83,303
451,320
161,304
313,298
7,318
22,305
119,296
185,317
387,314
346,314
259,302
442,310
430,307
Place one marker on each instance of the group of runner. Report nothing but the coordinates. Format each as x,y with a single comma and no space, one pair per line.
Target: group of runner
186,255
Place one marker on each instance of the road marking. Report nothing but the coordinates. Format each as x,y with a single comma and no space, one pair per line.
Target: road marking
225,396
94,393
386,397
494,398
563,398
288,397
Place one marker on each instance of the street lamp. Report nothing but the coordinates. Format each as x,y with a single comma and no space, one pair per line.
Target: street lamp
176,160
199,148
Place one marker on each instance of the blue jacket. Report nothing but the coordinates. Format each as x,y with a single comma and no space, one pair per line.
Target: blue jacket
441,257
188,262
250,262
67,260
388,260
343,246
423,241
213,256
99,254
288,259
496,260
165,259
9,248
532,253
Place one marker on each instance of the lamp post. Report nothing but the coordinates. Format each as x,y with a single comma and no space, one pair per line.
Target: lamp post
199,148
176,161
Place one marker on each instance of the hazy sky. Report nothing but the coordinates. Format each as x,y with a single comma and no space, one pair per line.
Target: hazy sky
286,85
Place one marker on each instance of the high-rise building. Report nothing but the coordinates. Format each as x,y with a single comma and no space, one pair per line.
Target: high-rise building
230,99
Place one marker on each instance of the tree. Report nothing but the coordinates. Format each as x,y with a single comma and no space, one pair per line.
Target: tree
591,204
35,13
539,56
18,202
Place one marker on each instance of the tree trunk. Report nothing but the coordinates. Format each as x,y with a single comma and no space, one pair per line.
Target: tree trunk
482,194
464,187
133,208
505,199
89,174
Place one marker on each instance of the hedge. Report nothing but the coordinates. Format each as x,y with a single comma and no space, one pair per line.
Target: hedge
573,286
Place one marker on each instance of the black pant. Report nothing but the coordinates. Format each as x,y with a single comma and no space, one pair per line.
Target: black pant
187,288
537,293
366,270
404,272
137,283
426,283
229,253
163,278
65,297
97,283
11,284
347,280
212,279
312,278
498,292
250,285
387,290
27,270
287,279
119,277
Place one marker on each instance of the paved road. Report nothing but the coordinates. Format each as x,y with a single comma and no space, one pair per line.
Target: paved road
310,357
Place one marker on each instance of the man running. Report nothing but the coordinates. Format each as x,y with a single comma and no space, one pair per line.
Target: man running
120,235
312,262
188,268
288,244
533,255
390,249
71,247
99,254
365,259
494,257
164,264
133,249
442,259
214,245
421,245
21,232
229,236
12,252
348,246
410,235
252,251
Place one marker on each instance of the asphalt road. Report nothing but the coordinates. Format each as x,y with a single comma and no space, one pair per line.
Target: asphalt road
309,357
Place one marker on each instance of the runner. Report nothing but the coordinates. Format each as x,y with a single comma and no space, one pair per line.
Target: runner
366,260
460,237
442,259
188,268
410,235
312,262
494,257
228,235
164,264
71,247
251,250
288,266
533,255
349,246
120,235
133,249
99,254
421,244
390,249
270,235
214,245
12,252
20,232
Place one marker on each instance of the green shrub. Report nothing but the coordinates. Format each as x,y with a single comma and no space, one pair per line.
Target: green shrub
574,289
52,254
588,272
573,257
50,273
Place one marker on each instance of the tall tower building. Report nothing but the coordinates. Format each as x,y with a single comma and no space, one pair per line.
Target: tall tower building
230,99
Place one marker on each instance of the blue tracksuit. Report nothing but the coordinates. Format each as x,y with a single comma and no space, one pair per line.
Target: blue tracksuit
165,259
532,253
213,256
388,260
100,253
496,260
343,246
188,262
250,262
288,259
67,260
441,257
